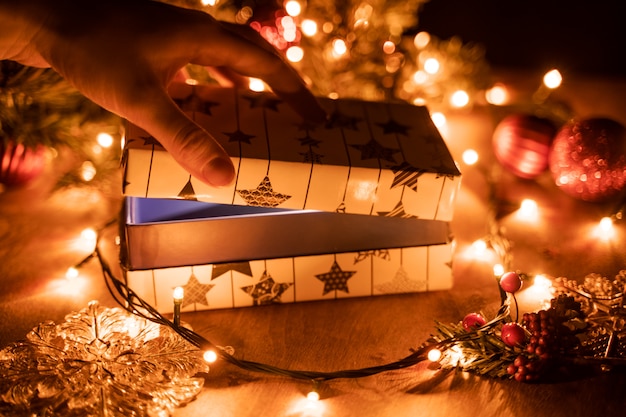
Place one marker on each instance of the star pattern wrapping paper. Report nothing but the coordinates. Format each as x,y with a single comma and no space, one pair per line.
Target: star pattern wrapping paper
369,158
296,279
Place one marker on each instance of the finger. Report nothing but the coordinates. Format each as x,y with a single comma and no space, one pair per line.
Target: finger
245,52
190,145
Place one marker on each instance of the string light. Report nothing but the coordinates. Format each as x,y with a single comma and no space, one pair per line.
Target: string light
528,210
552,79
497,95
256,84
339,48
498,270
72,273
313,396
308,27
294,54
434,355
459,99
439,119
421,40
605,229
293,8
104,139
179,294
88,171
470,157
431,66
210,356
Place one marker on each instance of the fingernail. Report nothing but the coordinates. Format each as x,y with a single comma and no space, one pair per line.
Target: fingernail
219,172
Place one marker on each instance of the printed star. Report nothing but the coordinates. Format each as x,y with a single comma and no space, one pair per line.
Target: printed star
263,195
336,279
309,141
221,269
195,292
398,211
406,175
402,283
343,121
374,150
151,141
264,101
267,291
391,126
239,136
194,103
188,192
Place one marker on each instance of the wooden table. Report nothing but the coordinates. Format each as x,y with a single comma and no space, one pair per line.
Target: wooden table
37,232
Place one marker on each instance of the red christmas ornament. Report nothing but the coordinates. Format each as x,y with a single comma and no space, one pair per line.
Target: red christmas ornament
588,159
521,143
510,282
20,165
473,321
513,334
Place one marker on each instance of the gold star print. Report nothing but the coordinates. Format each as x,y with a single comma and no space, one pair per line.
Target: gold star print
407,175
195,292
239,136
221,269
263,195
391,126
267,291
336,279
374,150
398,211
401,283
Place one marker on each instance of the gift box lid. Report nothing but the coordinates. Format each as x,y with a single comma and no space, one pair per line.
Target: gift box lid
373,158
163,233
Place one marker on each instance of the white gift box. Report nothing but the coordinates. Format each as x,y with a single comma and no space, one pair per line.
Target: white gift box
359,207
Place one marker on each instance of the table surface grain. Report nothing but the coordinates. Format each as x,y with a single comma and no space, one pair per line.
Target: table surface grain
38,225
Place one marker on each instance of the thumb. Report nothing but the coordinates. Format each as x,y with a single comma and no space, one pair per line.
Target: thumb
190,145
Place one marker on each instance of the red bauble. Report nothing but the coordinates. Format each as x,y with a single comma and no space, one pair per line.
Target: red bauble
588,159
510,282
473,321
513,334
521,143
19,164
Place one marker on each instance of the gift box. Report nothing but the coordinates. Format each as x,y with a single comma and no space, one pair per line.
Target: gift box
370,158
358,207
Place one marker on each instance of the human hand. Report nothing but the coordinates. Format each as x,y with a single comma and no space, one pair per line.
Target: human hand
122,54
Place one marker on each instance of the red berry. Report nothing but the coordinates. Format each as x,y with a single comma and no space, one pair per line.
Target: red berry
510,282
520,361
513,334
511,369
473,321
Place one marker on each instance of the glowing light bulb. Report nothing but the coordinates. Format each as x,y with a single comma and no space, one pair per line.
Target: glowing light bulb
191,81
439,119
339,47
605,229
293,8
434,355
420,77
528,210
552,79
421,40
88,239
431,66
210,356
389,47
104,139
256,84
88,171
459,99
72,273
470,157
497,95
294,54
498,270
179,293
209,2
313,396
308,27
